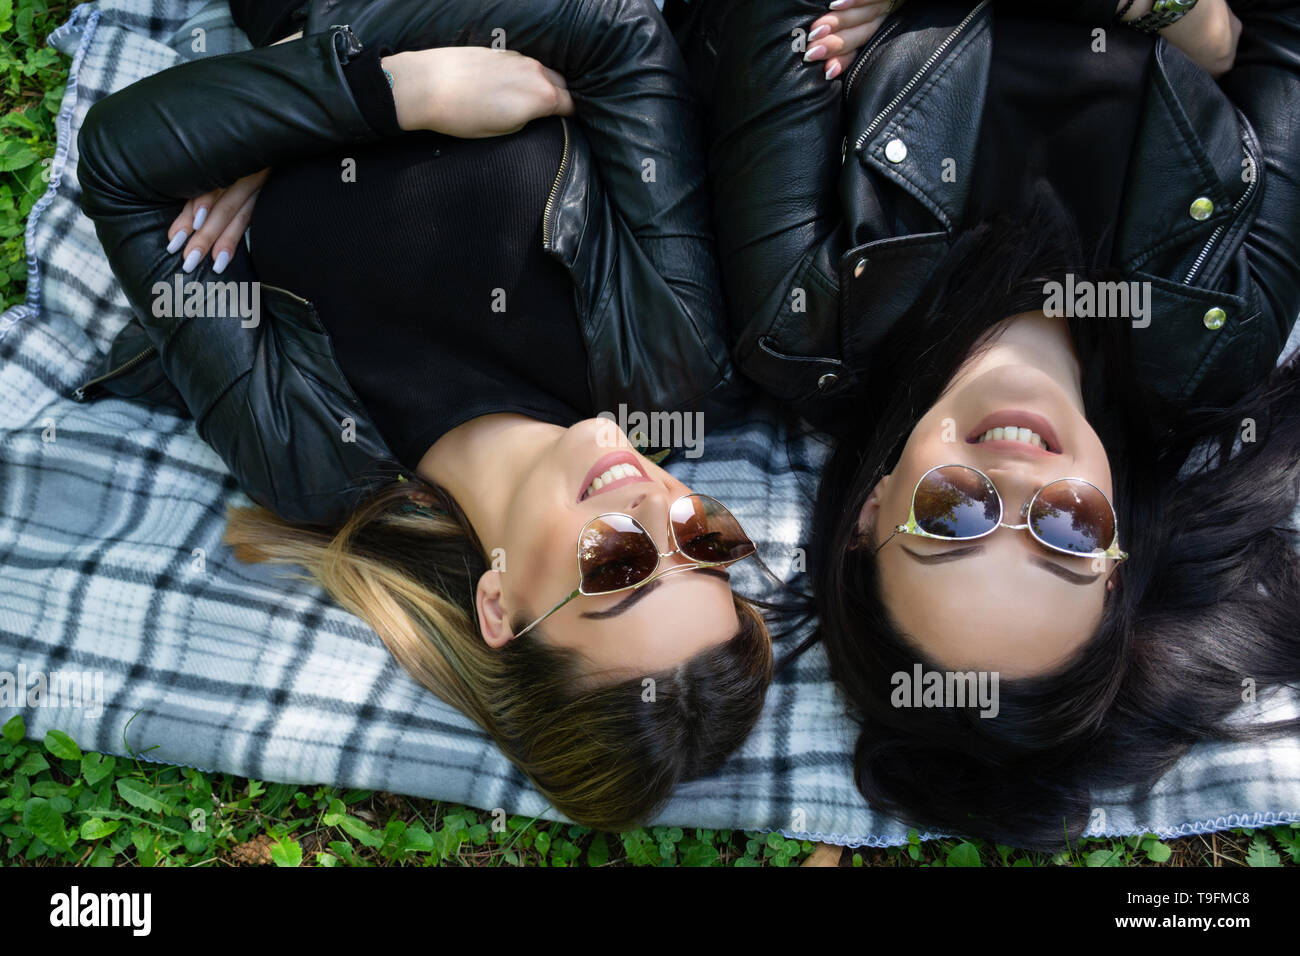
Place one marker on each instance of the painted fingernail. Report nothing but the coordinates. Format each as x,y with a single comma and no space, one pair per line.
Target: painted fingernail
820,32
192,260
840,4
832,71
815,53
178,240
223,260
199,216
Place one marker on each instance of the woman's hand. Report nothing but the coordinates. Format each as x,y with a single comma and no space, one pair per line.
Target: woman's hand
217,219
837,36
473,91
1208,34
215,222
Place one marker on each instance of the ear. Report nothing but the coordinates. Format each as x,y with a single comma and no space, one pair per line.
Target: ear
492,622
865,527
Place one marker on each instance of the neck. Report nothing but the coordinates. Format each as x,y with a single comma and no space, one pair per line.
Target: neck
1045,342
481,462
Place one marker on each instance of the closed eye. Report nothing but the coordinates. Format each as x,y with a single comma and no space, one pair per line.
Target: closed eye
957,554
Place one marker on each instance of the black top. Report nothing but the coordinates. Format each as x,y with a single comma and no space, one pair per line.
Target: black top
1062,118
423,256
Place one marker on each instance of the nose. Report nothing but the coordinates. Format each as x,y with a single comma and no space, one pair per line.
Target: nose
1016,489
651,509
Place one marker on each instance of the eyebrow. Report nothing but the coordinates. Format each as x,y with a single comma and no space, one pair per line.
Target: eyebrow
1065,574
641,592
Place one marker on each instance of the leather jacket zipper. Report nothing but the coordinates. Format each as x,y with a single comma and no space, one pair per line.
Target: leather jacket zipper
925,67
79,394
555,187
291,295
1214,236
862,58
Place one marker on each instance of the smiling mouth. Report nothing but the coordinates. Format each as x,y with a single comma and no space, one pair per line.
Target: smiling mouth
1023,428
1023,435
612,471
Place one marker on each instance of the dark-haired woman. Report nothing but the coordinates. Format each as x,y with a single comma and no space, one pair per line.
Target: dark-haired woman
441,312
1011,495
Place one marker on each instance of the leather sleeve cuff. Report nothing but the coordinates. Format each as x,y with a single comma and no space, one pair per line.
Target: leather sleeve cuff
371,90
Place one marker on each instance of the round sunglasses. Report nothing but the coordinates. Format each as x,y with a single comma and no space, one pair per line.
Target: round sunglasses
616,553
960,503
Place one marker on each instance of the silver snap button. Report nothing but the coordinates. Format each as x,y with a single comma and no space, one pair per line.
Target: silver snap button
860,268
1215,318
895,151
827,380
1201,208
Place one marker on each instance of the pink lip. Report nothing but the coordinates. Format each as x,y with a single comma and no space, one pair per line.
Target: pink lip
606,463
1019,419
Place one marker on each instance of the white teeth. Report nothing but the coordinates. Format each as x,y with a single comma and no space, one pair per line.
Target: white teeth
615,473
1025,435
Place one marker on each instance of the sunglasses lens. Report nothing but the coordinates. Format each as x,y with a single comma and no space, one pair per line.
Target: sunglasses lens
706,531
956,502
614,552
1073,516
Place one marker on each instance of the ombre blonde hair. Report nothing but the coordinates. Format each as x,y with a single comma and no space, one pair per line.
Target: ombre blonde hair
602,755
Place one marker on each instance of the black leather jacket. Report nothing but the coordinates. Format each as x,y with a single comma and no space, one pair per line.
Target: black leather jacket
628,217
830,197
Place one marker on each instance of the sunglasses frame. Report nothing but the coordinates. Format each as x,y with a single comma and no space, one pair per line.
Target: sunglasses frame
911,527
656,573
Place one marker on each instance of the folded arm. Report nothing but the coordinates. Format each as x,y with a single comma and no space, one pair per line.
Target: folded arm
203,124
630,94
775,131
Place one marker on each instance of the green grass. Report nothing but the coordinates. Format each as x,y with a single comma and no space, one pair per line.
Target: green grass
59,806
63,807
32,79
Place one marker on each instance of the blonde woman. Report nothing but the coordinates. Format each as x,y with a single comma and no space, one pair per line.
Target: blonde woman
457,261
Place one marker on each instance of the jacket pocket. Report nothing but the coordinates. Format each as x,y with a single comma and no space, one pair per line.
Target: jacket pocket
305,342
131,370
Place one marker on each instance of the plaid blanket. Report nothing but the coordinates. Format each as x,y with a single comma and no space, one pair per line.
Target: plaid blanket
111,566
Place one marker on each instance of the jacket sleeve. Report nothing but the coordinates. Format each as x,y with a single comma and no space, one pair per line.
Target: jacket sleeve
631,98
203,124
774,150
1264,84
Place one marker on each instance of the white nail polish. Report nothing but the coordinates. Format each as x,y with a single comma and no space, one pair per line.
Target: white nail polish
192,260
837,4
812,51
820,32
178,240
223,260
199,217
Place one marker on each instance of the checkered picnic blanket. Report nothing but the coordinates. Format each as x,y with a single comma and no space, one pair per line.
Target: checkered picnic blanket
110,562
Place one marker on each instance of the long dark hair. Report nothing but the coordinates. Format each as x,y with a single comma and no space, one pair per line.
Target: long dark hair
1209,598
